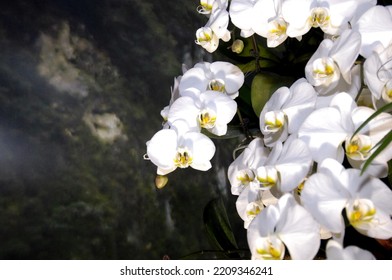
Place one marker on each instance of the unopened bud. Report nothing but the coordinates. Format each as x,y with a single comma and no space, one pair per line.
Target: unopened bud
161,181
237,46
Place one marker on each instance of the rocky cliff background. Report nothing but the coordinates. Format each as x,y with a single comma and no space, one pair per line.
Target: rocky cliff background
81,87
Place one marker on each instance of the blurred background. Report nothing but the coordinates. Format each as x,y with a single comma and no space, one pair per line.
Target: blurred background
82,83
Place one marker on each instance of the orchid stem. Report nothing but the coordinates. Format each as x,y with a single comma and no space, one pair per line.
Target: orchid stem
244,126
256,53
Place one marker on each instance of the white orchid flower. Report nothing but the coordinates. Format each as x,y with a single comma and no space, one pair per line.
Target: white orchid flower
325,130
215,29
269,22
249,204
219,76
211,111
251,201
332,16
354,89
285,168
206,38
284,225
365,199
361,146
378,75
335,251
285,111
242,171
375,27
333,60
177,147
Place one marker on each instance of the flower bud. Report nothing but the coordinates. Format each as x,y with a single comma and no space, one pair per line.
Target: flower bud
161,181
237,46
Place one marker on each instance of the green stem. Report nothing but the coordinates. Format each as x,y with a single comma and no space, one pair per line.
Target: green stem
256,53
244,126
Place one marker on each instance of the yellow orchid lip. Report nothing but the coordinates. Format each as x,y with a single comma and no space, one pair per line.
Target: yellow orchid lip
323,68
253,209
274,121
271,249
207,119
319,17
267,176
204,8
358,147
204,37
245,176
183,158
217,85
277,31
361,211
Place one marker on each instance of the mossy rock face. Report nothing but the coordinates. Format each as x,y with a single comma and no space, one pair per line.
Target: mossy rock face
81,87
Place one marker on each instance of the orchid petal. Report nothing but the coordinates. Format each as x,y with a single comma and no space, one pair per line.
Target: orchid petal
293,165
296,13
345,51
203,149
325,198
323,132
375,26
297,229
161,150
335,251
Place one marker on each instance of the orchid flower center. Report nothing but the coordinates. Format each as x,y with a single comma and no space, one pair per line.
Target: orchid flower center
207,119
274,121
387,91
217,85
358,147
253,209
270,248
205,7
204,35
324,70
267,176
277,29
319,17
183,158
206,38
245,176
360,211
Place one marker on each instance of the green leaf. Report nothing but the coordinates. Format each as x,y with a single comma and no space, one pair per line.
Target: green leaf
218,227
381,145
248,67
263,86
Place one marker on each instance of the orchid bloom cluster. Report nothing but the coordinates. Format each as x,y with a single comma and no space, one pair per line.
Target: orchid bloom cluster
302,178
202,99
